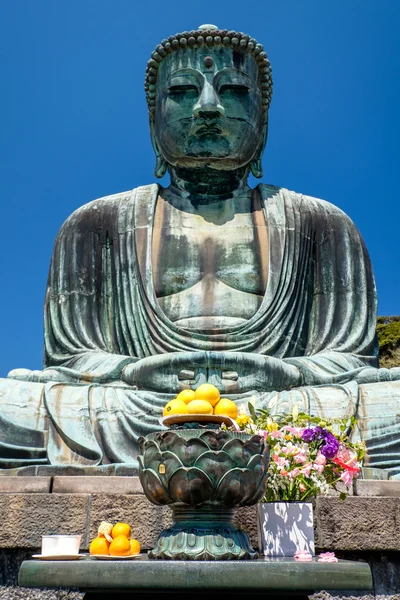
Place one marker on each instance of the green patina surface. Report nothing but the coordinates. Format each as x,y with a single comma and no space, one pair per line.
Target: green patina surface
263,292
203,475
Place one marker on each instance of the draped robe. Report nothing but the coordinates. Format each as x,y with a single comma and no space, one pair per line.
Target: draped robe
101,314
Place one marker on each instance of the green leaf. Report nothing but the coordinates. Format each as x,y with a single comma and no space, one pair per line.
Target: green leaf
252,411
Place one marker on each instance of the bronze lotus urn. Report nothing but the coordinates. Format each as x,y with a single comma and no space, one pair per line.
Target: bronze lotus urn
203,474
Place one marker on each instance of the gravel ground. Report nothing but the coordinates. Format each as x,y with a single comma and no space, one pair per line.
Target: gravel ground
17,593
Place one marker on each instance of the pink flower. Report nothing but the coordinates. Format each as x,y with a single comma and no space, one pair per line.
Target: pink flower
347,459
276,435
306,470
290,449
347,478
284,473
319,463
319,468
295,431
302,556
320,459
327,557
301,457
280,461
302,487
294,473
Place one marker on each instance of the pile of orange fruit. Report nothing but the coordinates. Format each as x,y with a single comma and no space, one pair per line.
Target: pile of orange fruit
114,540
205,400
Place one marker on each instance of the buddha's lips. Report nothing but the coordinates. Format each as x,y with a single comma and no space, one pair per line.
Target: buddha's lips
205,128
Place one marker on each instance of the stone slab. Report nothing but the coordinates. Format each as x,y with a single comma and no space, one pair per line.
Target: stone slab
96,485
246,519
25,518
124,470
358,523
371,473
375,487
24,485
144,574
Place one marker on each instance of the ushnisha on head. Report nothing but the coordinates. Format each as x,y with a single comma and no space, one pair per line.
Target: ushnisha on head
208,93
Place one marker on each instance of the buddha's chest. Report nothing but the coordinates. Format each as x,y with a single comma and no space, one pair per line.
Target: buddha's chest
188,254
209,267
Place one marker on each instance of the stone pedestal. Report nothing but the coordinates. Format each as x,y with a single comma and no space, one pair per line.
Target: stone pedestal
363,527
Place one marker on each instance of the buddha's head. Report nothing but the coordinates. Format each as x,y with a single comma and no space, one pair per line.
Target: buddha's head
208,93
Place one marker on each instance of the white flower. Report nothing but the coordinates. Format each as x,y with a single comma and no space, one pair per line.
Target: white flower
272,403
253,400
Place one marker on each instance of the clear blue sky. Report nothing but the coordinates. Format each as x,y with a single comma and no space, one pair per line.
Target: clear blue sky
75,127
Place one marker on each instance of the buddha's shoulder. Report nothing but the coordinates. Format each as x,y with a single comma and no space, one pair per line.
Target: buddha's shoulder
103,212
315,207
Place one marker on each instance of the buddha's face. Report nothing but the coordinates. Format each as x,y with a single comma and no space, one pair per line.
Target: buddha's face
208,108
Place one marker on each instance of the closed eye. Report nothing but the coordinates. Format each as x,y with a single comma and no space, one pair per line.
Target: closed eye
233,87
179,89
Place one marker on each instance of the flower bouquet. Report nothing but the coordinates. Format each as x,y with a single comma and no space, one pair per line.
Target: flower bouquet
309,456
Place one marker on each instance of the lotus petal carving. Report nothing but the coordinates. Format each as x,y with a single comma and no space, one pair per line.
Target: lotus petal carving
197,468
155,490
190,486
215,464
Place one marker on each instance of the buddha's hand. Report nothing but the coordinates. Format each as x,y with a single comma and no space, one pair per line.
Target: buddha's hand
35,376
230,372
238,372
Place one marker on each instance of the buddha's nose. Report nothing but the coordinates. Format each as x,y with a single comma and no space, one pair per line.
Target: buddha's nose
208,105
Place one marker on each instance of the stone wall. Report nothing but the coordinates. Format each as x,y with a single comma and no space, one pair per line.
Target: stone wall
364,526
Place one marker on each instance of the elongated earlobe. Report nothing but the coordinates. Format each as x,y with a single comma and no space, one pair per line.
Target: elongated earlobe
161,165
256,163
256,168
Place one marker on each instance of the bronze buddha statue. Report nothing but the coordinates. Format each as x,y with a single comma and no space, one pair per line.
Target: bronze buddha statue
263,292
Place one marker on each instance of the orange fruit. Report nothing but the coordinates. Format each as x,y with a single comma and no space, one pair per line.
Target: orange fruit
199,407
99,546
135,547
207,391
226,407
121,529
120,546
175,407
186,395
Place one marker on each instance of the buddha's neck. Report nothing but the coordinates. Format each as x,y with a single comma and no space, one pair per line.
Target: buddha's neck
209,185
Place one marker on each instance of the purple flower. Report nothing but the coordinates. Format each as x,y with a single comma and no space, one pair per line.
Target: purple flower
309,435
321,433
331,446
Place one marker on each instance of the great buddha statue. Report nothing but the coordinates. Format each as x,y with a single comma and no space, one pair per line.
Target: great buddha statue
264,292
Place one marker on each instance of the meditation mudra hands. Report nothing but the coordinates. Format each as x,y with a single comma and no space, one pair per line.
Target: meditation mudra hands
230,372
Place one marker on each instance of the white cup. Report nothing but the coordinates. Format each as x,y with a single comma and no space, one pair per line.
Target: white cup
56,545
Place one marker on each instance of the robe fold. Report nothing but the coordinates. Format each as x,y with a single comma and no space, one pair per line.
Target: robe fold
101,314
101,310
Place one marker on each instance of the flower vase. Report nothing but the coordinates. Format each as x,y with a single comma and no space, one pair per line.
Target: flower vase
285,527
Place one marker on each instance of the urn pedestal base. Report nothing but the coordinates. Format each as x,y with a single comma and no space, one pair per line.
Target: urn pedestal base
204,533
